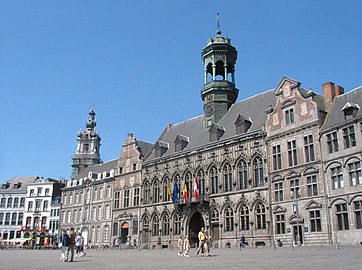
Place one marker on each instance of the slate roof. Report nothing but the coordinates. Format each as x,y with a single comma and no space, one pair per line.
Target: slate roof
98,168
252,108
336,116
143,147
24,180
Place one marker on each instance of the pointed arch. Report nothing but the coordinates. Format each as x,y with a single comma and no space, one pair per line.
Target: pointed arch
227,175
258,171
260,216
242,172
214,179
201,178
228,218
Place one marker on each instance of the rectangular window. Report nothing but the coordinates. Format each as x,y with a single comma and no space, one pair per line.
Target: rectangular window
126,198
309,148
277,157
289,116
280,224
315,221
332,142
278,191
337,177
136,196
115,229
355,174
292,153
38,206
349,137
1,218
358,213
116,200
342,216
312,185
295,188
45,205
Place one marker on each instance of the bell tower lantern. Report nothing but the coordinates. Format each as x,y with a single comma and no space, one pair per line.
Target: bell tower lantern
219,92
88,146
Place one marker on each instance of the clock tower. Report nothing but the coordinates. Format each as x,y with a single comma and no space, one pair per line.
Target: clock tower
219,91
88,146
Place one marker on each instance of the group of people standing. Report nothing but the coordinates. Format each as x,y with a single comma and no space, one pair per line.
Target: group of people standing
203,244
69,242
184,246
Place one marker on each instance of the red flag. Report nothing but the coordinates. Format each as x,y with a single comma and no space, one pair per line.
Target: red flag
196,188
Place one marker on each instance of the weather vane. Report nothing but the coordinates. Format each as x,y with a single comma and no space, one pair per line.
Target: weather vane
218,32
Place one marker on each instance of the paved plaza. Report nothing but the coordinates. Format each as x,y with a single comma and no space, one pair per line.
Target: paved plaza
344,258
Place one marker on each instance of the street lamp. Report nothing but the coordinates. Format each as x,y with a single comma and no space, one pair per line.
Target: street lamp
296,211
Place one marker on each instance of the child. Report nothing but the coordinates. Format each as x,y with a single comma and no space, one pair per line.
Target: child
180,245
186,246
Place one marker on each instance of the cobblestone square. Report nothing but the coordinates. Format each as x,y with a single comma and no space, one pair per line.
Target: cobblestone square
346,257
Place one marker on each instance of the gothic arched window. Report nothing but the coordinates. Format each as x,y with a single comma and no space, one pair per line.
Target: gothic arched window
258,172
229,219
260,216
201,179
156,191
243,174
244,218
146,192
214,178
166,225
228,178
155,225
177,224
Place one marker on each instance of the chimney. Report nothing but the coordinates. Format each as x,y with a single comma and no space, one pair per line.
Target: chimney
339,90
329,93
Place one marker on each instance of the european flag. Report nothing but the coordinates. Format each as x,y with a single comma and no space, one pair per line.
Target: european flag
175,193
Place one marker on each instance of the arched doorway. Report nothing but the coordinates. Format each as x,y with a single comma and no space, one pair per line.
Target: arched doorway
195,225
85,236
124,232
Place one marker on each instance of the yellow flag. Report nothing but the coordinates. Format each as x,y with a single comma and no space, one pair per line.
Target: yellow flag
169,190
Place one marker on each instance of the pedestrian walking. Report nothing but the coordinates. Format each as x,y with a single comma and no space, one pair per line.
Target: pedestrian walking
78,245
180,244
186,246
242,241
71,244
201,237
63,242
206,244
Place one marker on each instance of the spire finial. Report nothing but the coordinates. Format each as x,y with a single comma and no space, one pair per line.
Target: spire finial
218,31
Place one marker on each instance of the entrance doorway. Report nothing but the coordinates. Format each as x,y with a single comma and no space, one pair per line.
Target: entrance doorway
124,232
295,234
85,236
195,225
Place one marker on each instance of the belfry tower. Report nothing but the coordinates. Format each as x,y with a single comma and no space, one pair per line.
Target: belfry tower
88,146
219,91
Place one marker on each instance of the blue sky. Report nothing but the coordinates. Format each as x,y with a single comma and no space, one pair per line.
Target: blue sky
140,63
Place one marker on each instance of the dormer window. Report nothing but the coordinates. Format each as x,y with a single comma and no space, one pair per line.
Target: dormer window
181,142
242,125
5,185
350,110
161,148
216,131
17,185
